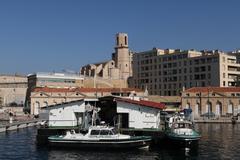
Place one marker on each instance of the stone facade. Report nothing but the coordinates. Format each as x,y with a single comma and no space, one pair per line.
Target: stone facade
41,97
52,80
13,90
221,101
168,72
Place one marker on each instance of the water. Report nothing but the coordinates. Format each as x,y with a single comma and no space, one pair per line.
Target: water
219,141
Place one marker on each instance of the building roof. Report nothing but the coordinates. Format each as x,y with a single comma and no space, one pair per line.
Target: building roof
54,105
143,103
47,89
165,99
63,75
213,89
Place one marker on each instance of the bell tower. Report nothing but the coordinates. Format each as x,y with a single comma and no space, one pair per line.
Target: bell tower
122,56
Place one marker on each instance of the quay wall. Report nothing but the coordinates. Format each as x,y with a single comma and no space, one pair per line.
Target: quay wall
215,121
18,125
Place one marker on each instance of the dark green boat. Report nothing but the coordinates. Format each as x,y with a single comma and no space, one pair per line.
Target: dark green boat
180,130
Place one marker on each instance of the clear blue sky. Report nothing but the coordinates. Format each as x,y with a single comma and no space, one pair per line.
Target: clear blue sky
51,35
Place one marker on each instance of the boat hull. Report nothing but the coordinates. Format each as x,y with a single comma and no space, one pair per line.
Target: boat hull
181,141
183,137
137,142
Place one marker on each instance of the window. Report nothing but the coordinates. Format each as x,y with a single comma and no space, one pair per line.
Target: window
165,86
180,85
104,132
95,132
202,61
185,70
117,40
209,68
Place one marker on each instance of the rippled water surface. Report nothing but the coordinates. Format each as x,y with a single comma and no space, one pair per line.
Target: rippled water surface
219,141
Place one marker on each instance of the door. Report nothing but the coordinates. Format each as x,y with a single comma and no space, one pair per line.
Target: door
123,120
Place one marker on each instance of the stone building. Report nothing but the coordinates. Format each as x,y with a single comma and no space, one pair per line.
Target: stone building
119,67
168,72
219,102
13,90
52,80
45,96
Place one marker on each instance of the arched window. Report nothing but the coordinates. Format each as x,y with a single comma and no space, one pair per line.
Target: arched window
238,109
45,104
230,108
36,108
219,110
208,107
117,40
187,106
197,110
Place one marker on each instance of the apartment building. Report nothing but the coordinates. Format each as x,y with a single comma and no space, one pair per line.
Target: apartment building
168,72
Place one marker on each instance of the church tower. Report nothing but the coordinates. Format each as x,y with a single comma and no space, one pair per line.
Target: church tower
122,56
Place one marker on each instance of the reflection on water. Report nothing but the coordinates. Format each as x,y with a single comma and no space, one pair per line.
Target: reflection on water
99,155
219,141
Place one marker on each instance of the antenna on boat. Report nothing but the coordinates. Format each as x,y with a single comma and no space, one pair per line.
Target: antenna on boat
94,115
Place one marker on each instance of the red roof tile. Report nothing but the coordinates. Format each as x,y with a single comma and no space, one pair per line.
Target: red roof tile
47,89
213,89
143,103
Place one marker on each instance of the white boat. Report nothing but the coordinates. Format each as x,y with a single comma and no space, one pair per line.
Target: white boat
99,137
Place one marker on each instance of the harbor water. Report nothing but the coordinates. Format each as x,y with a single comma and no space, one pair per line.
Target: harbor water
219,141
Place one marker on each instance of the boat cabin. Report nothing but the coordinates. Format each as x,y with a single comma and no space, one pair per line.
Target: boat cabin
183,124
98,131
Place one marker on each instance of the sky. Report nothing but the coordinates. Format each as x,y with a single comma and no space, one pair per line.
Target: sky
56,35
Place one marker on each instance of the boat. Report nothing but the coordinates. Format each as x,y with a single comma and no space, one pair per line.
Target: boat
181,130
99,137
